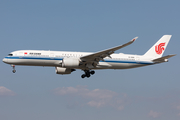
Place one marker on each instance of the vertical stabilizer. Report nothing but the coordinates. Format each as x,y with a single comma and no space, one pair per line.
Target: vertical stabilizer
157,50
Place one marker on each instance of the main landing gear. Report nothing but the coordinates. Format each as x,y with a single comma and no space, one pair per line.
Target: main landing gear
13,68
87,74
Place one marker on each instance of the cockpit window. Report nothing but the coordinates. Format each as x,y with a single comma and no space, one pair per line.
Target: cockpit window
10,54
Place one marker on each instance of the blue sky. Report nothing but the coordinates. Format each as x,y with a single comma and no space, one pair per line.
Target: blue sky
148,93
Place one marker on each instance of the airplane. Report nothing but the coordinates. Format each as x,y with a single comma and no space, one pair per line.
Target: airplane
66,62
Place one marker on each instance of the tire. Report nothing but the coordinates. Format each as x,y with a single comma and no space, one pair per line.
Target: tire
14,71
92,72
88,75
83,76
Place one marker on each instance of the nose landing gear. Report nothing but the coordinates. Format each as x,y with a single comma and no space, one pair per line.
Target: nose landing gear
13,68
87,74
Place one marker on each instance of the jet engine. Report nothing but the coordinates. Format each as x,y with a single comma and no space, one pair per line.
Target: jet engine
60,70
70,62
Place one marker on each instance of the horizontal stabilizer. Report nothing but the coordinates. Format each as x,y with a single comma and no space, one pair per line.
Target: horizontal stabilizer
163,59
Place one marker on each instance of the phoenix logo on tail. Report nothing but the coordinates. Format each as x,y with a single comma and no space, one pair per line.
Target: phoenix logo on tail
159,48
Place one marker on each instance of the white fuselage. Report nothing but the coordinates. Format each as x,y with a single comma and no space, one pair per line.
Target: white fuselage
54,58
67,62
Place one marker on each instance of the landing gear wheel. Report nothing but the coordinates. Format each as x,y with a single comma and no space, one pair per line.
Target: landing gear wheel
14,71
13,68
92,72
83,76
88,75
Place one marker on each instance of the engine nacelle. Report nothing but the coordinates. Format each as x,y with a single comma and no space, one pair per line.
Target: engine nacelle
60,70
70,62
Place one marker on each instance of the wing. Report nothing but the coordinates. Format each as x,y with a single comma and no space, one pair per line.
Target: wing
96,57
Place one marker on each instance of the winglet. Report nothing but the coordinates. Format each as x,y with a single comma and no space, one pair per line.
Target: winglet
134,39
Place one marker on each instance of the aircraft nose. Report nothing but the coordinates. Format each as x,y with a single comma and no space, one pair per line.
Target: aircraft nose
5,60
